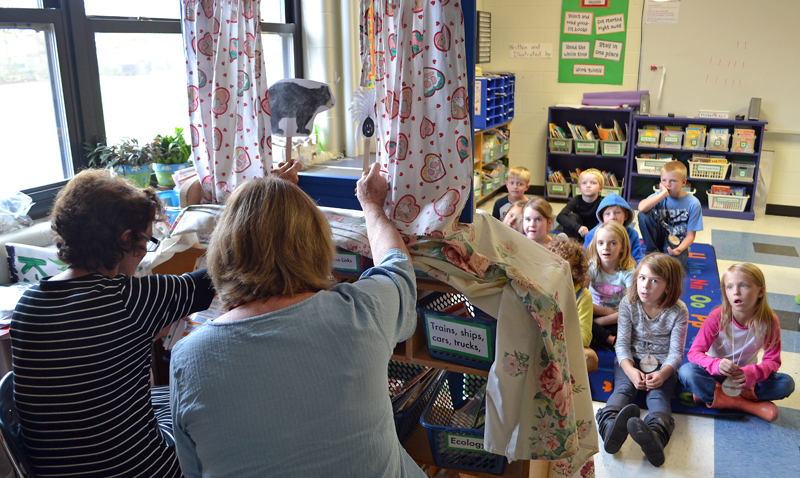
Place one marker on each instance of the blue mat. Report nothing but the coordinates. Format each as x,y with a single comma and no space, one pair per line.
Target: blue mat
701,294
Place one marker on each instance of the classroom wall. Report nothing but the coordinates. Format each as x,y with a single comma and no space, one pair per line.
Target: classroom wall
783,190
538,21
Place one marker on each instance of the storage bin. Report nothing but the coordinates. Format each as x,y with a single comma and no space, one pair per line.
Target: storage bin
671,139
558,145
583,146
694,140
687,189
488,187
723,202
718,143
699,170
468,341
648,138
613,148
399,374
611,189
742,172
650,167
453,447
557,190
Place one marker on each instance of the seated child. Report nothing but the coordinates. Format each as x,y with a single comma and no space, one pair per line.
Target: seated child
652,334
572,252
537,221
580,213
723,369
614,208
611,269
670,218
513,217
517,183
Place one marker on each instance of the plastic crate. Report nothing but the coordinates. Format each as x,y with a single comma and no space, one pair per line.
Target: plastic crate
399,374
650,167
648,138
613,148
671,139
695,141
452,447
698,170
562,146
718,143
447,341
557,190
583,146
723,202
743,172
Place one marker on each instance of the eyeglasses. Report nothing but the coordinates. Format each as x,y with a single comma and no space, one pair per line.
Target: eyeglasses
152,242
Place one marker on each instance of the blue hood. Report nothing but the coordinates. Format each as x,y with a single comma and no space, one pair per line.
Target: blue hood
614,199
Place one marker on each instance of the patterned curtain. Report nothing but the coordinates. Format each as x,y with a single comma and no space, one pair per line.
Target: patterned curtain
423,133
228,103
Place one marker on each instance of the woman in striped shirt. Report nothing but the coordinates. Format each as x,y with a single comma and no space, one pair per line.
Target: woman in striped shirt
81,340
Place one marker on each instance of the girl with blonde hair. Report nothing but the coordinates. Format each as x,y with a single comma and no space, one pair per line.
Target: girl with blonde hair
611,268
723,369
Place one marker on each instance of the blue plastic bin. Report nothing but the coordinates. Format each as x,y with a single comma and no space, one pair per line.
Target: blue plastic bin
452,447
430,308
400,372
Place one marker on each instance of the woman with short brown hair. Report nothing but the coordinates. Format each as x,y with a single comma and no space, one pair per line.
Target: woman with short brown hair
294,375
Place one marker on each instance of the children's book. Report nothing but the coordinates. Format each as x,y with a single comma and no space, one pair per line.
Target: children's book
725,190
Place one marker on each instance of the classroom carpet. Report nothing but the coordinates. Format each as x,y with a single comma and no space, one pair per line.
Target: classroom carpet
701,294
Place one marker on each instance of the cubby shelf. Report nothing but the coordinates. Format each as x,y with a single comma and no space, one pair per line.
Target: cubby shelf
638,184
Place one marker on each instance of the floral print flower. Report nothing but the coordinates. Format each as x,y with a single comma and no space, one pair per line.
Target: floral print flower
563,467
552,443
584,429
588,469
510,365
558,326
550,380
563,399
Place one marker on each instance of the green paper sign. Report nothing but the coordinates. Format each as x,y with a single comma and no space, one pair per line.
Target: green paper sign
592,48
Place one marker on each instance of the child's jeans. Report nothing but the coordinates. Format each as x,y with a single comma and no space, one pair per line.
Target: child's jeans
701,383
658,400
655,236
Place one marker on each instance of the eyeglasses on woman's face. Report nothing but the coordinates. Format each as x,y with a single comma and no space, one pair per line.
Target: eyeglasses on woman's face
152,243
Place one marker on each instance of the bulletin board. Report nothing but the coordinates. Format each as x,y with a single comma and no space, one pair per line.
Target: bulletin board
721,53
592,46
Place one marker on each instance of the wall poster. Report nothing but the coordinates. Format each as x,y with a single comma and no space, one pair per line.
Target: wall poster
592,47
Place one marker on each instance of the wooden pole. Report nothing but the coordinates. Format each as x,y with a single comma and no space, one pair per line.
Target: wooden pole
366,154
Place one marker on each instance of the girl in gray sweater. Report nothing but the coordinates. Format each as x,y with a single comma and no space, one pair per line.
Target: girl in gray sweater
650,342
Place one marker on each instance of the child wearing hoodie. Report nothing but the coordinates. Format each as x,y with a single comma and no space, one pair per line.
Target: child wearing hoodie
614,208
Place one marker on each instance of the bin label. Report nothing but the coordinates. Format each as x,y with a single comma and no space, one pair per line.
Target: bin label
708,169
346,262
612,148
559,143
557,188
742,173
579,145
671,139
647,139
449,335
464,442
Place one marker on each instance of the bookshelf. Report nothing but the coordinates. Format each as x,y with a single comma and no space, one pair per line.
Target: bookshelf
565,162
478,142
640,186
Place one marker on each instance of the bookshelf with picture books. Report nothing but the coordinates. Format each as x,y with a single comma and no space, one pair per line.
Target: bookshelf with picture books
722,158
583,138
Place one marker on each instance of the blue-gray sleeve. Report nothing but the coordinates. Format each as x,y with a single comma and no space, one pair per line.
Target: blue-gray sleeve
391,287
636,245
624,331
677,339
695,216
184,445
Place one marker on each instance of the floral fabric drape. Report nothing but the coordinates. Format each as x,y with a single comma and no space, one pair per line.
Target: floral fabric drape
539,404
228,103
423,133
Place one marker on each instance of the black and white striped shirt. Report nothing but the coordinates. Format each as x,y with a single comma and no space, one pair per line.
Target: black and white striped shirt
81,356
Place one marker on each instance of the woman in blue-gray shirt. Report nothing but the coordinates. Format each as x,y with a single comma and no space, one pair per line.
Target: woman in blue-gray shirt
292,380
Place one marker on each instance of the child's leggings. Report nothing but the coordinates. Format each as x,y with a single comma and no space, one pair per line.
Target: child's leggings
624,393
701,383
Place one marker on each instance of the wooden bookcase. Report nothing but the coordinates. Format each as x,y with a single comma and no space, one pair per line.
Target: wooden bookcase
641,186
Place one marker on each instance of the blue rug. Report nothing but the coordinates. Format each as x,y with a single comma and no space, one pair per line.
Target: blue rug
701,294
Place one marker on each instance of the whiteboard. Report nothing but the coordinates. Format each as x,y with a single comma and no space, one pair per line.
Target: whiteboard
721,53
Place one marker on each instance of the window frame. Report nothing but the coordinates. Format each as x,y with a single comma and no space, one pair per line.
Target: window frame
76,54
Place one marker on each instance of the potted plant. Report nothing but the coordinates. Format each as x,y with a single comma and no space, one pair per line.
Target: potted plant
172,154
127,158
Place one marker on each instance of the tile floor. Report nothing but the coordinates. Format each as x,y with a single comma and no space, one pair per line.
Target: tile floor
704,446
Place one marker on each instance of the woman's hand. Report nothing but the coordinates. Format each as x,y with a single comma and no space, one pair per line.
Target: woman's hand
288,171
727,367
372,188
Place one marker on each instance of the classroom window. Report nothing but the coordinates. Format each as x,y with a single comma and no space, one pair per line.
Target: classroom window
78,71
143,94
32,118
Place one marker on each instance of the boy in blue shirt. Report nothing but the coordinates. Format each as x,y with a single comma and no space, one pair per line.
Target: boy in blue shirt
670,218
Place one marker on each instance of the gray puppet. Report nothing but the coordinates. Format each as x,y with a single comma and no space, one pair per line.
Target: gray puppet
294,103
